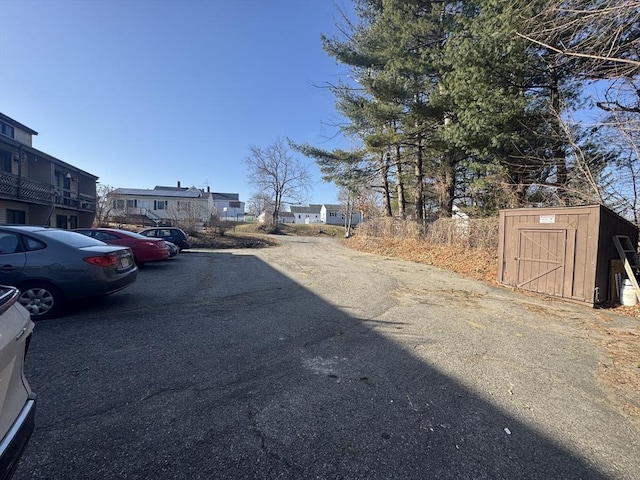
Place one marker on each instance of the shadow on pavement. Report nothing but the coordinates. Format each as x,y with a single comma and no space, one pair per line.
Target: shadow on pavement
250,375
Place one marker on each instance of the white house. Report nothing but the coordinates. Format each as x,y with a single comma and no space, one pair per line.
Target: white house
283,217
310,214
227,206
324,213
175,204
334,215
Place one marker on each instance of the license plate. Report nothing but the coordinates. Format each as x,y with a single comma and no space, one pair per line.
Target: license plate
125,262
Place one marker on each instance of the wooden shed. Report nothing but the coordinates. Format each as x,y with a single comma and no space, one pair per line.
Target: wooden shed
566,252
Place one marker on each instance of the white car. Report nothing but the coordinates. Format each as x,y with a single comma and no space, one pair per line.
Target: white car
17,400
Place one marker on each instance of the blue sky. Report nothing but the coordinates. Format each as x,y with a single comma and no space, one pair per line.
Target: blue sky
152,92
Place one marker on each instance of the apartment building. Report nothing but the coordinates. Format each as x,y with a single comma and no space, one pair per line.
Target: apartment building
38,189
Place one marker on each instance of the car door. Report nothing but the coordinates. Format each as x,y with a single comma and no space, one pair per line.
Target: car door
12,258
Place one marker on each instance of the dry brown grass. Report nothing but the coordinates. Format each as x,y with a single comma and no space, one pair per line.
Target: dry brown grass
469,248
479,233
473,262
252,235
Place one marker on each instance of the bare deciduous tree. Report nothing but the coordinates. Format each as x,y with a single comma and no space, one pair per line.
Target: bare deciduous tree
621,131
104,204
189,215
601,40
259,203
603,34
279,176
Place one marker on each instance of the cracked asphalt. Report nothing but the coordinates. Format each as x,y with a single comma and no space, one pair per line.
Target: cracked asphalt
309,360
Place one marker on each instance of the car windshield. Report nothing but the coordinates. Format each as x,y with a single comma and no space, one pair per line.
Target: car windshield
71,238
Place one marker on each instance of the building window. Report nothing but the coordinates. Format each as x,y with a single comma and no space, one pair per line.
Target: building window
118,204
159,204
131,203
5,161
6,129
16,216
63,180
333,214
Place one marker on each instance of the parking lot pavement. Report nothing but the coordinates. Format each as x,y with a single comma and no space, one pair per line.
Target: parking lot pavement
312,361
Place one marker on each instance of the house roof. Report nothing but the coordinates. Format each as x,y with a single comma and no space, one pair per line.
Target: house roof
328,206
175,192
310,209
159,187
39,153
14,123
226,196
157,192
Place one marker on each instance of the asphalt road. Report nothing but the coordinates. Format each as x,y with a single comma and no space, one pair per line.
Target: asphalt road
309,360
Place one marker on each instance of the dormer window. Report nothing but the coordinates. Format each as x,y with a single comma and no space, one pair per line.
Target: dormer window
7,130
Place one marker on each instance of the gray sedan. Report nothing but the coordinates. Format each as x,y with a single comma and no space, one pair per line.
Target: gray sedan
52,266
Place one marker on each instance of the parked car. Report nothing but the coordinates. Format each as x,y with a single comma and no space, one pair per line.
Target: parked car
144,249
173,234
52,266
173,248
17,400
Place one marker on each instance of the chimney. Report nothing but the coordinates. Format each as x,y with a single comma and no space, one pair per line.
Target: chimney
178,183
208,189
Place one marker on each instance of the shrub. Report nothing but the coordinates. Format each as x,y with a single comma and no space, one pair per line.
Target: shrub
479,233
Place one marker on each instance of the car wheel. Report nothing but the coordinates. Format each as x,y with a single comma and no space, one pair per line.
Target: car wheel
40,299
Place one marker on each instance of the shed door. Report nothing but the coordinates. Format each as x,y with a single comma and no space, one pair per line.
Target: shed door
544,256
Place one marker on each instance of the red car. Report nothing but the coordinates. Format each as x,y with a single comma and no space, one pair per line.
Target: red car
144,249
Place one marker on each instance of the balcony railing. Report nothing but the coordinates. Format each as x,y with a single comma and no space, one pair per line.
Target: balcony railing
22,189
18,188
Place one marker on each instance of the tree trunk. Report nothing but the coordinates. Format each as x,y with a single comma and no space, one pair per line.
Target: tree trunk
402,201
348,215
385,185
276,210
559,154
448,185
419,182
